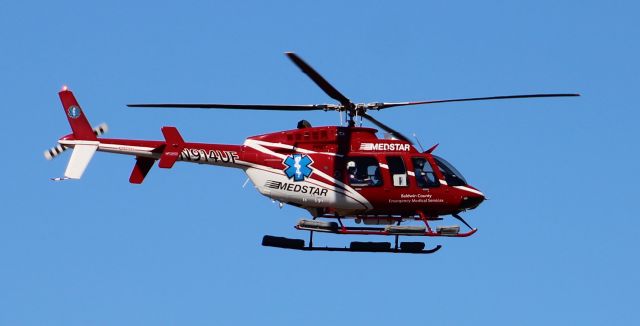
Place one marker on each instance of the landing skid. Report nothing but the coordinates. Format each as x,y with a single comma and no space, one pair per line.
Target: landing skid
396,231
299,244
383,231
389,230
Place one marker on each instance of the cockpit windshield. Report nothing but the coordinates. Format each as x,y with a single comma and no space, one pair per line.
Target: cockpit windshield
451,174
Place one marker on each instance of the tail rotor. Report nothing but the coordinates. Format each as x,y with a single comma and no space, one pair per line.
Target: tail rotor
83,139
53,152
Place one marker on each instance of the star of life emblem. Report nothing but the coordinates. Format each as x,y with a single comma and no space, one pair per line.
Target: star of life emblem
74,112
298,167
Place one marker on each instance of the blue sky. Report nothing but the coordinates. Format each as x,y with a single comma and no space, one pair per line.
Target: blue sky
556,241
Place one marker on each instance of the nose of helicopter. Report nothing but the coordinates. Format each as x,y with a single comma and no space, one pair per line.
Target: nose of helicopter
472,199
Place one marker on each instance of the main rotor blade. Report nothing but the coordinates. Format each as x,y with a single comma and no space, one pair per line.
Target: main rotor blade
319,80
386,128
276,107
389,105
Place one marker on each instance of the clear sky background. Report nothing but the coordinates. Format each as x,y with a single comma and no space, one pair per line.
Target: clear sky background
557,241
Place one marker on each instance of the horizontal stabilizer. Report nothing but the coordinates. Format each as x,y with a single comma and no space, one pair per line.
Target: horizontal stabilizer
80,158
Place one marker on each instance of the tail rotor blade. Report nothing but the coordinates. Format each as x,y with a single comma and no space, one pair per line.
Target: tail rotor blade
100,129
52,152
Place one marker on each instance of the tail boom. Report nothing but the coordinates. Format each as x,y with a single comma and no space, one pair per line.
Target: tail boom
85,141
202,153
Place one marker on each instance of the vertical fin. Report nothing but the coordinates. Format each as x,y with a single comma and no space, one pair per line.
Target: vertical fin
172,149
140,170
77,120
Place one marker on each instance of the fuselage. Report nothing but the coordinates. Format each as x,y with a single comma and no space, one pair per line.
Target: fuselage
341,170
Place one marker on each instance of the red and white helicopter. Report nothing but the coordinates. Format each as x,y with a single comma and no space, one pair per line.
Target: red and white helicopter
336,173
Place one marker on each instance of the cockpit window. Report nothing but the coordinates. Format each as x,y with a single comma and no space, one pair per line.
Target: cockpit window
451,175
425,178
364,172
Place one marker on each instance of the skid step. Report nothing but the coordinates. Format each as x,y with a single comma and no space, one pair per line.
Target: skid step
412,246
402,229
317,225
448,230
370,246
282,242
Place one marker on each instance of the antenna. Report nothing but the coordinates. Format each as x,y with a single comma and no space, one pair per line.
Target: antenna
418,141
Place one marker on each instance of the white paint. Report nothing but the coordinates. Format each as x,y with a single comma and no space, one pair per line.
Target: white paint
80,158
469,190
260,146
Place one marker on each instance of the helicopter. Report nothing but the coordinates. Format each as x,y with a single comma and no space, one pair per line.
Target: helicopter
341,175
